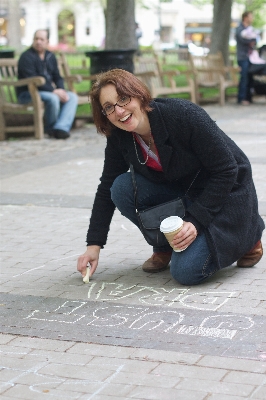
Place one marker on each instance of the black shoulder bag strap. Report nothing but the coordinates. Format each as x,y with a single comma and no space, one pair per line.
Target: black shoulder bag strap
135,184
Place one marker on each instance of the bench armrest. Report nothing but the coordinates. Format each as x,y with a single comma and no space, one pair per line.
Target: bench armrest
145,73
217,70
89,77
36,80
170,73
73,78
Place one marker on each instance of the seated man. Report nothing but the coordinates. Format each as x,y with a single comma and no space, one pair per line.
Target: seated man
60,105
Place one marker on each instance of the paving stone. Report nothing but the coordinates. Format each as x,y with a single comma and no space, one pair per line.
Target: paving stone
166,356
215,396
191,372
35,379
248,378
14,351
260,393
104,397
59,357
233,364
36,343
117,389
77,372
8,376
161,394
101,350
5,338
212,386
18,363
23,392
142,379
81,386
143,367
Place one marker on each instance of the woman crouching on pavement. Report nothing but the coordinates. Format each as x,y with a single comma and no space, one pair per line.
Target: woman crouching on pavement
169,142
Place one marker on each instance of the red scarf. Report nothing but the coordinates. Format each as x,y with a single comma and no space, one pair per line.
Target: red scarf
152,163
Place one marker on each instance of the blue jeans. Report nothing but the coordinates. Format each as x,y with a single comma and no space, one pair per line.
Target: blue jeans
244,82
189,267
56,115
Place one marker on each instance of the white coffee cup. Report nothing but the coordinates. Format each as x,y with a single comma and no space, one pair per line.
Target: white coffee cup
170,227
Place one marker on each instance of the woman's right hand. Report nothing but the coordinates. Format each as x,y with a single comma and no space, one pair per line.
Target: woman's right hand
91,256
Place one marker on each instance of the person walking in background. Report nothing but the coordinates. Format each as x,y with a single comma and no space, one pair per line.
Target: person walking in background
138,35
244,45
60,105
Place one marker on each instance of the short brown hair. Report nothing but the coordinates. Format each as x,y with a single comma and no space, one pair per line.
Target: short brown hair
246,14
125,84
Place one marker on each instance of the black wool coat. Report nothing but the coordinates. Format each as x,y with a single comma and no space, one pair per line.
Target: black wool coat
224,201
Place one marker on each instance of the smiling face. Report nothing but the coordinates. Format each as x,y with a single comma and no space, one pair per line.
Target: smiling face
130,117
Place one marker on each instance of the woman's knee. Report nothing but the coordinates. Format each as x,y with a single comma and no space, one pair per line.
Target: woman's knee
121,189
191,271
184,275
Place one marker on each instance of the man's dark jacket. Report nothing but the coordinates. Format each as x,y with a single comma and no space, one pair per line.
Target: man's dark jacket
30,64
225,205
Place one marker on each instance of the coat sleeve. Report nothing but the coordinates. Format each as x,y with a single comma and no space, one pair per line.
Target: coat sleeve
216,153
103,207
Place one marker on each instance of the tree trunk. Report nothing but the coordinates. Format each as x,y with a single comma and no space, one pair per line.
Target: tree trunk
14,34
120,25
221,27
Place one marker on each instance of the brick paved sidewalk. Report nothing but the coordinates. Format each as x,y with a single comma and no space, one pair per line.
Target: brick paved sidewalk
127,334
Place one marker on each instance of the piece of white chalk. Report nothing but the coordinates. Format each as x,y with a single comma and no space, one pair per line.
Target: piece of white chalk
86,278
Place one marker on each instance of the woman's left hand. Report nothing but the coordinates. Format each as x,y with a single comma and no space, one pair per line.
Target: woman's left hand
186,236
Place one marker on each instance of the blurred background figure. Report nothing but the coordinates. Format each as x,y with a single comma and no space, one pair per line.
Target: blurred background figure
244,48
138,33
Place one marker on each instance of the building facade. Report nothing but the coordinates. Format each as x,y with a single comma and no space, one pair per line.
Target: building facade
76,24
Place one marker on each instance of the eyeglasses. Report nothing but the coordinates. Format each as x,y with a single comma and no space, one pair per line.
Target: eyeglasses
110,108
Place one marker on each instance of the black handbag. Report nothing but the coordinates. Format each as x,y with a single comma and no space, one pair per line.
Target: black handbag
151,218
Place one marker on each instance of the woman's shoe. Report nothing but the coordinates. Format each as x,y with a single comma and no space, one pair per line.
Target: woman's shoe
157,262
252,257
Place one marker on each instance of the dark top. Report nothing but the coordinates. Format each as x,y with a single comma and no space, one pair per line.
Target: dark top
30,64
243,46
224,198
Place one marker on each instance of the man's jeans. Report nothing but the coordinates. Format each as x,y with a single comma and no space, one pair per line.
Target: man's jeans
244,83
56,115
189,267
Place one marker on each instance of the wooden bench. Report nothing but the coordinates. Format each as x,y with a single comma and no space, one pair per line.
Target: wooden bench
210,72
72,79
11,112
162,83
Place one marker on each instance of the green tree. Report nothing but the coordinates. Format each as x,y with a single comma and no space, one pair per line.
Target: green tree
222,20
258,7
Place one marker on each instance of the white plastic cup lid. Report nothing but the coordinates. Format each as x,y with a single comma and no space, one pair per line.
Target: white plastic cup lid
170,224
